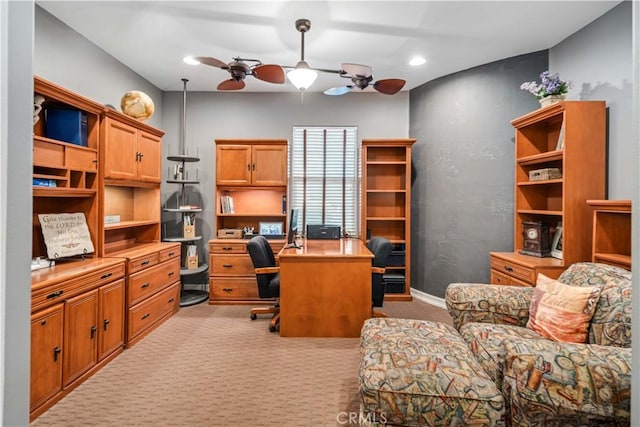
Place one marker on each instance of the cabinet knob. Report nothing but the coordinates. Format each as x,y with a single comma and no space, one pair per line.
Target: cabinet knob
55,294
249,167
170,273
171,300
104,276
93,331
106,323
506,267
56,352
227,265
145,316
227,289
145,285
227,248
253,166
145,262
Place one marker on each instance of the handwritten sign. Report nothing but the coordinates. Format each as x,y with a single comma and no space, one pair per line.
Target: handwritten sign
65,234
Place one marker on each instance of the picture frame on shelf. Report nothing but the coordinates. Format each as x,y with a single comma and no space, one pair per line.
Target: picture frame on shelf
560,143
556,243
270,228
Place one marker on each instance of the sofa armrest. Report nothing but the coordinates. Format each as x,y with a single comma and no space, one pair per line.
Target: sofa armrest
497,304
576,383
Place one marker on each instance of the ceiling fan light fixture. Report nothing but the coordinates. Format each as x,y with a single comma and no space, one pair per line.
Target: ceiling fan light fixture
417,61
302,77
190,60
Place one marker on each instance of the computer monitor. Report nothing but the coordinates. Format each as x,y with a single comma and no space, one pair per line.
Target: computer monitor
293,229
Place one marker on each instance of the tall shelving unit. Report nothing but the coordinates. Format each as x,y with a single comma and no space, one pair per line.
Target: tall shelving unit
386,207
569,136
611,232
187,210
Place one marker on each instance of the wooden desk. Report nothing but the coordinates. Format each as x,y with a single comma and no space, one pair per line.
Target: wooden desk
325,288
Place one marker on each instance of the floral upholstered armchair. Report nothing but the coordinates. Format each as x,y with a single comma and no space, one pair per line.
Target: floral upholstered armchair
547,382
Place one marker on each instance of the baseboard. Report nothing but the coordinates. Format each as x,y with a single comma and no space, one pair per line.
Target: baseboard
429,299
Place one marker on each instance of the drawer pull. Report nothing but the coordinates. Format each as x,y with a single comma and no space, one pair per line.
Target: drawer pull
56,352
104,276
145,316
55,294
171,300
170,273
145,285
506,267
105,323
227,248
227,265
145,262
227,289
172,253
93,331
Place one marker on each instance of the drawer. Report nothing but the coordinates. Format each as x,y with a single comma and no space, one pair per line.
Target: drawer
79,159
499,278
225,289
227,248
93,279
150,280
142,262
144,315
47,153
231,265
169,253
514,270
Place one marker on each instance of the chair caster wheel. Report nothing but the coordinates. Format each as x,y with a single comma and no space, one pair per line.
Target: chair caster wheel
253,316
272,328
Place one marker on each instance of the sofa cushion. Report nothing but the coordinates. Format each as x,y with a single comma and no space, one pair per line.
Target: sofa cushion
486,342
611,322
562,312
416,372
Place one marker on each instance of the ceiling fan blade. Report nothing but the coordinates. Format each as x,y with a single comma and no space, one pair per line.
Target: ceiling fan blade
357,69
231,84
269,73
389,86
340,90
214,62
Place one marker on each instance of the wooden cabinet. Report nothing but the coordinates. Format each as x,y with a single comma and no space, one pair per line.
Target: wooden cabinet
611,232
251,162
251,187
386,207
580,126
132,151
77,325
153,287
131,183
65,174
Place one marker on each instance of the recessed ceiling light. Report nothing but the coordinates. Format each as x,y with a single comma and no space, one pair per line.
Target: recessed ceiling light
190,60
417,60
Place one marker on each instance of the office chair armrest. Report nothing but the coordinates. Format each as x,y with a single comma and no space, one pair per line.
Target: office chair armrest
379,270
267,270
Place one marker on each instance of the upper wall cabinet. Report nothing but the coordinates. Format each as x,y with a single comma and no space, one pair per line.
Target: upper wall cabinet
132,149
251,162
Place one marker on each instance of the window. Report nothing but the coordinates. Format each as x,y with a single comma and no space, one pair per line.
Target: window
324,177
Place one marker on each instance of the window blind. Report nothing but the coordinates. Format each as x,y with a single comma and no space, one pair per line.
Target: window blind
324,176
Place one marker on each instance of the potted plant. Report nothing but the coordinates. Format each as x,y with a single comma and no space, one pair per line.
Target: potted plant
551,89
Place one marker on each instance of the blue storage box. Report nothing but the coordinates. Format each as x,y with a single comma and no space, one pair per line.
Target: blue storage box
66,125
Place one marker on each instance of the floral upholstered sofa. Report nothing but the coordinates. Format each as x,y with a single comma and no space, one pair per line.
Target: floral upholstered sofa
492,370
545,382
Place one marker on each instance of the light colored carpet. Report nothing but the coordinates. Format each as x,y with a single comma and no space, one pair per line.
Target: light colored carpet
212,366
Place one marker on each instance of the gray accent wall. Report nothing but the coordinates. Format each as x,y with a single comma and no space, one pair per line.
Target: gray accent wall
462,193
462,205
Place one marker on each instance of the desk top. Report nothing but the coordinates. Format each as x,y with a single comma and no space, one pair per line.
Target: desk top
345,247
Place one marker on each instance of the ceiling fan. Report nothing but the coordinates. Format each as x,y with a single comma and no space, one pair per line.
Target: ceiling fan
361,75
239,69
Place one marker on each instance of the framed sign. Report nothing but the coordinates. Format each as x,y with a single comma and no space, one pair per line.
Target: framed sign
65,234
556,243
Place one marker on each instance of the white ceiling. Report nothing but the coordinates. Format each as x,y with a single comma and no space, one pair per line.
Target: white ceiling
151,37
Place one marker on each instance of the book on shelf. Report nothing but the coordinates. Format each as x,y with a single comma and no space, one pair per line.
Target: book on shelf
226,203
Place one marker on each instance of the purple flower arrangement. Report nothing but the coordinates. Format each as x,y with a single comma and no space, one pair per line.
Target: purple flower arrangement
550,84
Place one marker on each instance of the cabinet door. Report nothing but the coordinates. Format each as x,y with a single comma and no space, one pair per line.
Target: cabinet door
150,149
269,165
120,148
233,165
111,317
80,335
46,355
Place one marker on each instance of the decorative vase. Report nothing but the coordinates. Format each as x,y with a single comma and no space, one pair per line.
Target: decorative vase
551,99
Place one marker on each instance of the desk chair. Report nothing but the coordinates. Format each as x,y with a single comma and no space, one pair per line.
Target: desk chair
268,277
381,248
